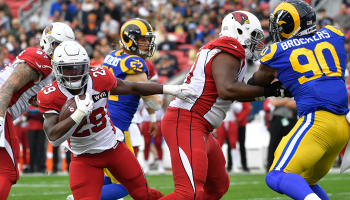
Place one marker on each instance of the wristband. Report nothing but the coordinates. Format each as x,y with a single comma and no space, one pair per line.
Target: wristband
78,116
153,117
168,89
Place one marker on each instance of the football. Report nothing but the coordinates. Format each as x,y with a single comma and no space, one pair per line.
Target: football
69,107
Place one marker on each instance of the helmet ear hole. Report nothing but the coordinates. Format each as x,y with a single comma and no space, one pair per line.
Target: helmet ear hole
239,31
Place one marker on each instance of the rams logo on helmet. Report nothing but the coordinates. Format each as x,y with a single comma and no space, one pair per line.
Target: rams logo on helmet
241,18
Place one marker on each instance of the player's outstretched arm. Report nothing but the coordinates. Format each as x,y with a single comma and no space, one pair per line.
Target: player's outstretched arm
153,101
20,76
145,89
225,68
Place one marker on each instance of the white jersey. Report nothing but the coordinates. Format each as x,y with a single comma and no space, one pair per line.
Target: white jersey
137,119
21,99
200,80
236,107
96,132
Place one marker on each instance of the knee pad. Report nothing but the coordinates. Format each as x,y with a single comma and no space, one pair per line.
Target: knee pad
273,179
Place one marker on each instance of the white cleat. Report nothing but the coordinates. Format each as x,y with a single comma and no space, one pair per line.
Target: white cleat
70,197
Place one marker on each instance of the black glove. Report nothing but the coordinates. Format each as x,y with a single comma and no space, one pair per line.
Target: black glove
276,89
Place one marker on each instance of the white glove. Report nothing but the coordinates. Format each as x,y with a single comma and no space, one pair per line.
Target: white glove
2,136
180,91
84,108
85,105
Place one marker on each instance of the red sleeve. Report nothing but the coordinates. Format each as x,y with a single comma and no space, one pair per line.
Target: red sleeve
230,45
150,68
104,78
50,99
242,116
37,59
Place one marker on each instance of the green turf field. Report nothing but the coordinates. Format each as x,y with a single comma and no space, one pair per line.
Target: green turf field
247,187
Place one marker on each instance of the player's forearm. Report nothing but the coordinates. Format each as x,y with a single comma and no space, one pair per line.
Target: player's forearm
61,131
6,92
241,92
154,102
146,89
20,76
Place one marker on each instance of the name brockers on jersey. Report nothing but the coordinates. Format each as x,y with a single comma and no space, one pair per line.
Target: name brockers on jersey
298,41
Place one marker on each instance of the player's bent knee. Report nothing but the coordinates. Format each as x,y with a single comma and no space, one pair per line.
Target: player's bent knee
273,178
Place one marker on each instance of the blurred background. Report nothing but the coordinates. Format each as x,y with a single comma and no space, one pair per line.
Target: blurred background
181,27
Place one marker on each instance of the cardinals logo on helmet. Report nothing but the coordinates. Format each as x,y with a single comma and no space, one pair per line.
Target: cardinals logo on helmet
48,29
241,18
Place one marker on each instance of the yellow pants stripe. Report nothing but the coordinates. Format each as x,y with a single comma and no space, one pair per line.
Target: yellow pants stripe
312,146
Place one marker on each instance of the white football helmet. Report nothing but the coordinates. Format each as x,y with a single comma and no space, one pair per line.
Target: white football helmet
56,32
246,28
71,65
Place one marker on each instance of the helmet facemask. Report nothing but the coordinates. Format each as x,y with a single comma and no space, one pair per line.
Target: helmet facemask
71,75
151,47
135,47
50,44
254,45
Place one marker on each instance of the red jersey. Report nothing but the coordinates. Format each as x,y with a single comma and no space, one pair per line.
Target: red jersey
21,99
200,79
96,132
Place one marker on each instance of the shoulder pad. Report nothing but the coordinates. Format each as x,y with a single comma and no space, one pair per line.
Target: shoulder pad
133,65
37,59
268,53
228,44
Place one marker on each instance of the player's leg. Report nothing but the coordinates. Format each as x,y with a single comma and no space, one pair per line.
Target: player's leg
86,176
217,181
242,150
147,138
308,146
186,137
115,190
9,157
158,143
221,134
336,137
232,135
127,170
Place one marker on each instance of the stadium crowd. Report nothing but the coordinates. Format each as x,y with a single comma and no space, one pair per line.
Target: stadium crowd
181,27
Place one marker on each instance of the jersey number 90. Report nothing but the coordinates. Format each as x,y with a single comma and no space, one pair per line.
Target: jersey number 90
315,64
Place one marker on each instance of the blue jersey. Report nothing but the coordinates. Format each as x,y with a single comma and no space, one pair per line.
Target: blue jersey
123,107
312,68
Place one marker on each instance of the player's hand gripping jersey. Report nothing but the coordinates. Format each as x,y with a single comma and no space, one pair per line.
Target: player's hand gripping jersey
96,132
21,99
315,73
200,79
123,107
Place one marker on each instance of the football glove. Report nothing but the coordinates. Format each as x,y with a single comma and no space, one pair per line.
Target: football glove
276,89
84,108
180,91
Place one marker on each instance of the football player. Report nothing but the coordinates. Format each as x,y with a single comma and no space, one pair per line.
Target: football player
19,84
128,63
217,75
311,65
93,140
